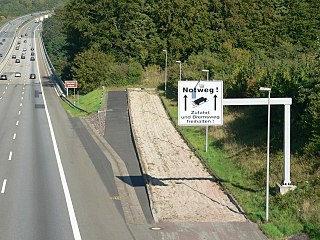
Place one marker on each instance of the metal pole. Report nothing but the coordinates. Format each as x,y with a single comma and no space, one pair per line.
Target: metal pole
268,152
165,73
207,127
180,67
268,160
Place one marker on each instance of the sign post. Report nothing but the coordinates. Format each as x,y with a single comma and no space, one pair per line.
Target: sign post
200,103
71,84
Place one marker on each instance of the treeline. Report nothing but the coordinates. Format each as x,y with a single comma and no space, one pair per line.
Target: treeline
245,43
13,8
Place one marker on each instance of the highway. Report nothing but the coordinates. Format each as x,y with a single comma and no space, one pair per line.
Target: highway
55,181
31,200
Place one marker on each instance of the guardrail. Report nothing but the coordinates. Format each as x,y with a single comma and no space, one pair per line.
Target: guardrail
59,84
57,79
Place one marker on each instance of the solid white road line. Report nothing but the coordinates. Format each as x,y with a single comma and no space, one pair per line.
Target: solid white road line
17,123
72,215
20,104
19,113
14,136
10,156
4,183
21,98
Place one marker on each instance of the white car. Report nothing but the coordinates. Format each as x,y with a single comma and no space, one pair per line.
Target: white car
17,74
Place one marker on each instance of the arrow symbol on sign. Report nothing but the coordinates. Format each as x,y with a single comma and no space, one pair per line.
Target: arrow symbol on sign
185,102
215,102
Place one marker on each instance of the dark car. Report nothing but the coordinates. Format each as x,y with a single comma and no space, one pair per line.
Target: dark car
14,56
3,77
32,54
32,76
17,60
32,59
1,55
17,48
23,56
25,41
32,49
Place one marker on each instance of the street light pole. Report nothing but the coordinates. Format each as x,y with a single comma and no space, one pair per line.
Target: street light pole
178,61
165,73
207,127
268,152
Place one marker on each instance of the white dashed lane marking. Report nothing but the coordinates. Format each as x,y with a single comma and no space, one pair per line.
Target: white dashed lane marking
4,183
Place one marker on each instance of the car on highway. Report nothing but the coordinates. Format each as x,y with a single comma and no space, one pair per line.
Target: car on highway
1,55
17,47
32,59
24,50
3,77
32,54
23,56
17,60
32,49
32,76
14,56
25,41
17,74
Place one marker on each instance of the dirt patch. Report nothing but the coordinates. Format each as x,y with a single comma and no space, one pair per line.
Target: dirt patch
181,188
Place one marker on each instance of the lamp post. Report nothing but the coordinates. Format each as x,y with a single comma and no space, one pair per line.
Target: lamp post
165,73
207,127
268,152
178,61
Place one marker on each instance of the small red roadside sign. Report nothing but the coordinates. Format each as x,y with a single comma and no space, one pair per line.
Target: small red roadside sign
71,84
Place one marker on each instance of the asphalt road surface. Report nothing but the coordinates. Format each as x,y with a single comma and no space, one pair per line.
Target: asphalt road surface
32,201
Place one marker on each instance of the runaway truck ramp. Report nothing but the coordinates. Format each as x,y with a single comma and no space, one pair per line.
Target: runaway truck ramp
180,188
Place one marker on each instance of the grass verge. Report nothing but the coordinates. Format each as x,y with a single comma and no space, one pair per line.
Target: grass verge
241,166
89,102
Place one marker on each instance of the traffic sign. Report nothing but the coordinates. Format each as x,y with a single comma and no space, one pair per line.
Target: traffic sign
71,84
200,103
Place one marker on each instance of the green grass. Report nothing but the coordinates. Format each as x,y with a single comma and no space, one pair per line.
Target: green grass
89,102
241,167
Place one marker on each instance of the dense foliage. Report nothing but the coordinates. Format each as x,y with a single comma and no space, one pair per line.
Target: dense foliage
245,43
